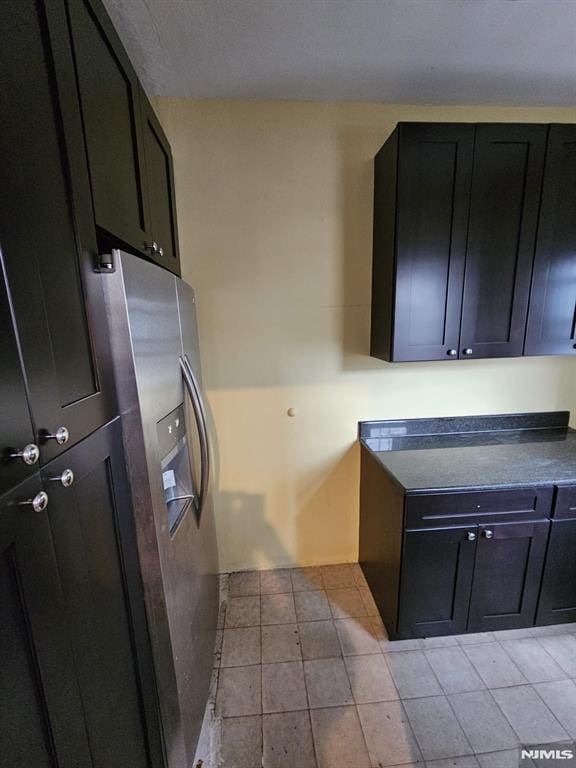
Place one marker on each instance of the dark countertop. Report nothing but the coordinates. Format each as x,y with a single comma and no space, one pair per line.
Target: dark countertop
490,452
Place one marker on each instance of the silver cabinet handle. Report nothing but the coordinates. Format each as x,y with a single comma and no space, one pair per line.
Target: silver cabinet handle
152,247
468,351
200,415
61,435
66,478
471,536
488,534
452,353
29,454
160,251
38,503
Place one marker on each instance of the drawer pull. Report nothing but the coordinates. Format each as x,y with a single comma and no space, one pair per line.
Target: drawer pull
471,536
488,534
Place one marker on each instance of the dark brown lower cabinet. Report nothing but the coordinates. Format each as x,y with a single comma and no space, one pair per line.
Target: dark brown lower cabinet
472,579
507,574
77,687
435,584
41,709
94,539
558,594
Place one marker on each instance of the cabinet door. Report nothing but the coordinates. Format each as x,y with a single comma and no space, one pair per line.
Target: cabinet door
41,719
46,227
435,582
160,185
506,182
507,575
94,538
552,316
15,426
434,167
108,89
557,602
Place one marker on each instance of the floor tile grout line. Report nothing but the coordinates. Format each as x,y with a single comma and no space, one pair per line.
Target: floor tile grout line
561,724
491,690
452,709
479,673
504,715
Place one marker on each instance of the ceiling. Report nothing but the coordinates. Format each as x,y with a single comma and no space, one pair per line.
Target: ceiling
411,51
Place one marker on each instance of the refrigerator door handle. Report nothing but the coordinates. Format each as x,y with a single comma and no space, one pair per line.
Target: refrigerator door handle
200,415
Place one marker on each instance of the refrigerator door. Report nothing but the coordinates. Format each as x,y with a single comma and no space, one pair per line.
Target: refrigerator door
203,538
152,315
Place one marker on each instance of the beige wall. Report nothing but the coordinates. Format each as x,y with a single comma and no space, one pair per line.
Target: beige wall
275,218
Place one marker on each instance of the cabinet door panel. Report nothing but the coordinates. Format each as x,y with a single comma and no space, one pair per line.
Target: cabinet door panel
435,582
46,227
160,185
95,546
110,108
434,168
506,183
41,718
15,425
507,575
552,317
557,602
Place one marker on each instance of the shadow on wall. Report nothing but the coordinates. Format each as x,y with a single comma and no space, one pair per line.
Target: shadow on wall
244,530
325,522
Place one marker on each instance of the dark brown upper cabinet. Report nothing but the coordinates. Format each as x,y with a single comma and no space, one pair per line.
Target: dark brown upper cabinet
552,317
421,201
47,232
506,182
109,97
459,212
128,155
160,185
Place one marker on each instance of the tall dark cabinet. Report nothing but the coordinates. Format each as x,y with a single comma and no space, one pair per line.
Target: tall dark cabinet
41,710
95,545
47,232
473,226
77,683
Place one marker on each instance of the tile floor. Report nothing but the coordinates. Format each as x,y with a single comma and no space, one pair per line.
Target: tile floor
305,677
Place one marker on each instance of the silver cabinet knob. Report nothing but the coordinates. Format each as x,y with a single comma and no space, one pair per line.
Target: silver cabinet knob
66,478
488,534
452,353
471,536
152,247
61,435
468,351
160,251
38,503
29,454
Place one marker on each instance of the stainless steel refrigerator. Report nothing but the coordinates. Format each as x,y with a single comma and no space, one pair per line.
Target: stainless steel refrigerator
157,369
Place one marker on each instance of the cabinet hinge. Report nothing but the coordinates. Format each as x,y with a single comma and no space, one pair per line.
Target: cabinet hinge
105,262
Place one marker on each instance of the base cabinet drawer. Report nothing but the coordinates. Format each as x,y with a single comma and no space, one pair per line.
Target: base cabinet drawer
440,510
558,594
